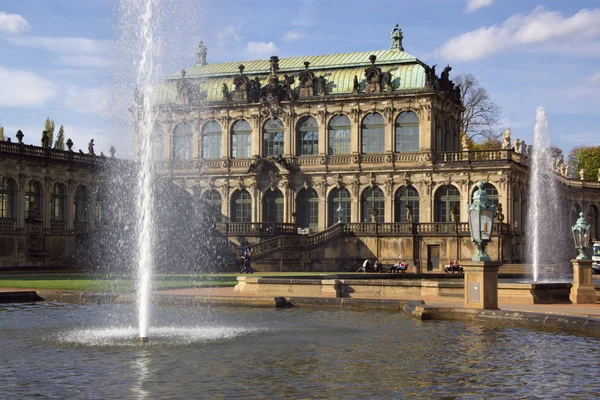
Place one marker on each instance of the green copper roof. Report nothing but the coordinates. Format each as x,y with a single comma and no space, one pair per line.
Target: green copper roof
294,64
338,70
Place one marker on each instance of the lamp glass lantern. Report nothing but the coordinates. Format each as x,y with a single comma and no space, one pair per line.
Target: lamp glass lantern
481,221
581,236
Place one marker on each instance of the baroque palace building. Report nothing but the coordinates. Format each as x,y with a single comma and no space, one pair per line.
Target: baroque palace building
369,139
307,161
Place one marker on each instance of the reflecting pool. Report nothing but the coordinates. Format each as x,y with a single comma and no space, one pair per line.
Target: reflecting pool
68,351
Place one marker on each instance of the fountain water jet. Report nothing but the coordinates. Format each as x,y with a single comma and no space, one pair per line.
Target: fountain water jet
144,122
544,226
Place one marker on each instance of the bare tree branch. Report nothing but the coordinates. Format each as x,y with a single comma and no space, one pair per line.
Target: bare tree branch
481,117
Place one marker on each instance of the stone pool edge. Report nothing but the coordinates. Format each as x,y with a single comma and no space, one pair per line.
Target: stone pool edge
417,309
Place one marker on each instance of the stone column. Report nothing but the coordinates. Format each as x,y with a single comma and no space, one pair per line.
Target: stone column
481,284
582,291
355,142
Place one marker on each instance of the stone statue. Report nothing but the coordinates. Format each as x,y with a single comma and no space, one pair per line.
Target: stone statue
409,214
566,174
201,54
517,145
454,214
355,85
506,140
598,174
397,37
464,142
45,139
255,90
582,172
91,147
225,91
321,85
524,148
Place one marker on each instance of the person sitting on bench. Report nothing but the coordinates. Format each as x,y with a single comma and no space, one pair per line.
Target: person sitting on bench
402,266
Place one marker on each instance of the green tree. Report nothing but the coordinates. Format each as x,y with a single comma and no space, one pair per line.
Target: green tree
59,143
481,118
587,158
49,128
1,132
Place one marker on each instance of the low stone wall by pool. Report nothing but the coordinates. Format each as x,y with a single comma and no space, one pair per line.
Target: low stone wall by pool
400,287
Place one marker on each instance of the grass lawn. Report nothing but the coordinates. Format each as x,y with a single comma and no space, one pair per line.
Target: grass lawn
121,283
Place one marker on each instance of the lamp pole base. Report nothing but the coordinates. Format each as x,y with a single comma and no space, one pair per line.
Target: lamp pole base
481,284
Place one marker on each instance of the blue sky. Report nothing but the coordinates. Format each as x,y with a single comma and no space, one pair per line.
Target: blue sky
63,59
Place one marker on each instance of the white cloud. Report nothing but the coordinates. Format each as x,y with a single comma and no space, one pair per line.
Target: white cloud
537,28
474,5
228,34
64,45
293,35
595,78
12,23
86,100
261,49
24,88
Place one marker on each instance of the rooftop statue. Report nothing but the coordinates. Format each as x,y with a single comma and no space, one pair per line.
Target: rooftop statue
201,54
506,140
397,37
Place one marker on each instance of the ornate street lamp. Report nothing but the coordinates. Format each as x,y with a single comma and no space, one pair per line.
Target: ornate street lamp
481,221
581,236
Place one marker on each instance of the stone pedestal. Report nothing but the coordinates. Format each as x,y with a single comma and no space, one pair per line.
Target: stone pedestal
481,284
582,291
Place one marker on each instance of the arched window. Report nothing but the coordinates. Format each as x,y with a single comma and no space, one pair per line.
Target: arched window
57,203
406,205
339,206
33,201
241,206
308,136
241,139
447,204
273,138
212,200
372,201
373,134
407,132
158,143
7,197
339,135
81,204
491,191
307,209
211,140
183,142
273,206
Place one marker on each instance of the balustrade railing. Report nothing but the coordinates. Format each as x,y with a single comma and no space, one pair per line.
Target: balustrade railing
42,152
58,227
8,224
268,228
80,226
328,234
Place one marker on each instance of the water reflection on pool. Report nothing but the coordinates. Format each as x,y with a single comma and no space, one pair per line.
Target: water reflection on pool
69,351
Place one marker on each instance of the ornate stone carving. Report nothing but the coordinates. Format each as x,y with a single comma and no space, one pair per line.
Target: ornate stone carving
187,92
388,113
306,79
338,181
355,187
355,85
201,51
396,37
242,85
355,114
225,91
372,180
322,117
373,76
321,86
506,140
